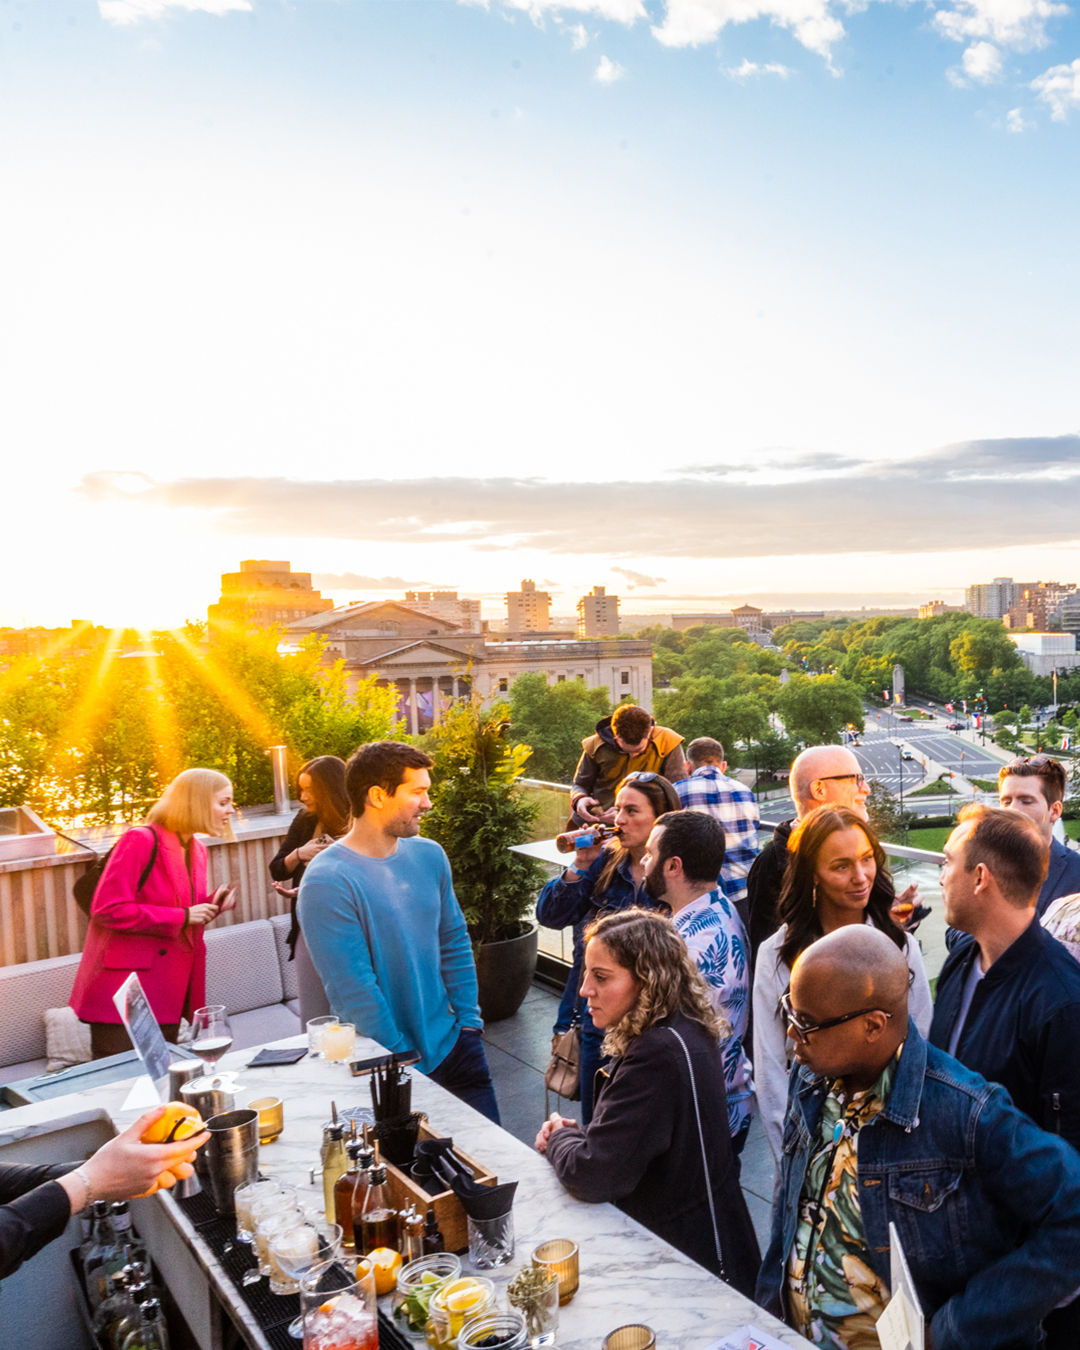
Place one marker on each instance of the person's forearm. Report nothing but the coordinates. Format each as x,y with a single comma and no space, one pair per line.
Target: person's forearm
30,1222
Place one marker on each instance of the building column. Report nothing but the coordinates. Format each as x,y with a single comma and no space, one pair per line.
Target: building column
454,686
436,697
414,711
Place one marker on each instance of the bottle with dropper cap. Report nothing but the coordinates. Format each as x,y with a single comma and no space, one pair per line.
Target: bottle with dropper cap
379,1219
343,1193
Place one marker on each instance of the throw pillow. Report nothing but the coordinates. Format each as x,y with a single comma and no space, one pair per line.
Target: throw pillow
67,1040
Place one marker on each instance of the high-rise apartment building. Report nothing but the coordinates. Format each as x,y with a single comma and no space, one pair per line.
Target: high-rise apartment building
995,599
446,605
528,609
598,614
1020,604
263,593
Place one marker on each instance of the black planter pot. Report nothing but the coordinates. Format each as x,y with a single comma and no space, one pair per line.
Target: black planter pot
504,972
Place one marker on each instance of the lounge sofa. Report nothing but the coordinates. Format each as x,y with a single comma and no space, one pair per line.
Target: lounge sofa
247,969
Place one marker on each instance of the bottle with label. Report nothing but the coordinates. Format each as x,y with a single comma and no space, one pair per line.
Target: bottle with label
335,1162
343,1196
364,1163
98,1247
587,837
412,1235
140,1292
151,1333
433,1239
112,1310
379,1220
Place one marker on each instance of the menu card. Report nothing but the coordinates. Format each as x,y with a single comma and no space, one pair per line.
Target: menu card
142,1026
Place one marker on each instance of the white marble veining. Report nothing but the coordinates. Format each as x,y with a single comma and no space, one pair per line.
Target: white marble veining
627,1273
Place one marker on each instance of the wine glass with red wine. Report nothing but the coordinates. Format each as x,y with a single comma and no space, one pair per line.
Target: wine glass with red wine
213,1033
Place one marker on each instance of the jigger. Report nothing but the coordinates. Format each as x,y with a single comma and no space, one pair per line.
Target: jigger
209,1098
232,1155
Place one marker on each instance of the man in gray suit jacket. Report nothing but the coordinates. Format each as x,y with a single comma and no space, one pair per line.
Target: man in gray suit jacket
1035,786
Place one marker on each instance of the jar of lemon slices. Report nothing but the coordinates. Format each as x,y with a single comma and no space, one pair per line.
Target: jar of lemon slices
453,1305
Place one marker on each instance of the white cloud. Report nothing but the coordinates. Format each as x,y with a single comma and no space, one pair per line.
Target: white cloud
749,68
579,37
982,62
1020,24
607,71
1060,88
619,11
639,578
133,11
689,23
1016,123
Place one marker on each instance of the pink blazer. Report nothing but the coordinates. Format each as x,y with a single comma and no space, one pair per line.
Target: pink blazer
145,933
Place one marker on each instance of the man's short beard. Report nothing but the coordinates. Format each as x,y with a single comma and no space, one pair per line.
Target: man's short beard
656,882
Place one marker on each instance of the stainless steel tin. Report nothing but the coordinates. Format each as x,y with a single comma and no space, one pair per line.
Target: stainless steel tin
232,1155
182,1071
209,1098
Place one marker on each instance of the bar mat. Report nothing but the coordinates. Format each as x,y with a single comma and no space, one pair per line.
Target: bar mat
272,1312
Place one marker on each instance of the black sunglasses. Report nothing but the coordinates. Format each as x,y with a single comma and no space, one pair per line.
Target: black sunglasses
640,776
804,1030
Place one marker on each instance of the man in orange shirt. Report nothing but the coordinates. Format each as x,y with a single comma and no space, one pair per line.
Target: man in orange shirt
629,741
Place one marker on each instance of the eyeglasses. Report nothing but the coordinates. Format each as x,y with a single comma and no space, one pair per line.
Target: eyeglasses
804,1030
860,779
640,776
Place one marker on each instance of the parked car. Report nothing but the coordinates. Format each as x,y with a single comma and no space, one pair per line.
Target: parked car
905,718
955,726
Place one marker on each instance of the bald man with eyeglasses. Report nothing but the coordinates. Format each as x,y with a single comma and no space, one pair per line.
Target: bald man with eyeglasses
824,775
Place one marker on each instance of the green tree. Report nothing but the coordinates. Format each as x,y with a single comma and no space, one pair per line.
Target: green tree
886,817
554,719
816,711
478,813
695,708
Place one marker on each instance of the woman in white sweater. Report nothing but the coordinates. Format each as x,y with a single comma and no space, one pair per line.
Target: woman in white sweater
836,875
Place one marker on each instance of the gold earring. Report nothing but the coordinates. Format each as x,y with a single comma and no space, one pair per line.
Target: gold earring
815,895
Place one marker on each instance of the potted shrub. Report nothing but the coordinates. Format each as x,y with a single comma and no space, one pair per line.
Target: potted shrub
479,812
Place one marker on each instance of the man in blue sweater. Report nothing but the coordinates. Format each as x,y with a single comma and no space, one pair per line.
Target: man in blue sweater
385,930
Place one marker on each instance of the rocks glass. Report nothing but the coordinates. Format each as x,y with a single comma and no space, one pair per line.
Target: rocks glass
338,1042
491,1241
244,1198
300,1248
534,1292
315,1028
338,1313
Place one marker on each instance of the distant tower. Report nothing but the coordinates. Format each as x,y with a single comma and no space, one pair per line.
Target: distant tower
528,609
264,593
598,614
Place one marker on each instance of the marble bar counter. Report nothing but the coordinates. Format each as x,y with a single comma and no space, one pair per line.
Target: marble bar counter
627,1273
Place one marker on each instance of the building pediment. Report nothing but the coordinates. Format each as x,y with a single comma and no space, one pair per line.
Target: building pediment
417,653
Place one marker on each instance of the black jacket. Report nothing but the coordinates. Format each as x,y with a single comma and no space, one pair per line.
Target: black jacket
301,831
1023,1027
34,1211
763,883
643,1150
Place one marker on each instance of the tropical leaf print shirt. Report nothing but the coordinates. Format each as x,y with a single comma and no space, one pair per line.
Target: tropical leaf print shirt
714,936
834,1297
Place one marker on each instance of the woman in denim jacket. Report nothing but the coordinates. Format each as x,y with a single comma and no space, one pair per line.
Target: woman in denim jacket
986,1205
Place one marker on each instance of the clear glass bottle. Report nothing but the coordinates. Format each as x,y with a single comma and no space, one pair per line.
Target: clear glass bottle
334,1164
93,1253
379,1220
113,1309
343,1197
412,1235
364,1163
141,1292
151,1333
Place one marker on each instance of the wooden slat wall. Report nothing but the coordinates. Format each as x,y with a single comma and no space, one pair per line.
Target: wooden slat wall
39,916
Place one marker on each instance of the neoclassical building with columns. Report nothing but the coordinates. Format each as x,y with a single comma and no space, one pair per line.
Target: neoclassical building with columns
431,660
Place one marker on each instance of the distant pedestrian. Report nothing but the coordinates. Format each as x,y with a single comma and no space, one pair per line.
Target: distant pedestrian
711,791
386,933
605,877
835,863
1035,786
682,860
882,1129
149,911
629,741
824,775
324,816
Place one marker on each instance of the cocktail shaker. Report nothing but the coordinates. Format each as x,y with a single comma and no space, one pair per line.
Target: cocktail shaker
232,1155
208,1096
181,1071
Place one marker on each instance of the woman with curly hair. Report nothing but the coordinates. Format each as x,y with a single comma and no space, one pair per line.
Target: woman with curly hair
658,1144
836,875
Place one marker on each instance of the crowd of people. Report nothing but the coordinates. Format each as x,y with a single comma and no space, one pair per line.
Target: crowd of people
711,984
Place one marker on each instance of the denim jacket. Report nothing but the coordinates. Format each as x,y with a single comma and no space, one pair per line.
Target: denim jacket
987,1205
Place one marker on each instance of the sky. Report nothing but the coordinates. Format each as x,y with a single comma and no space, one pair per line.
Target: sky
700,300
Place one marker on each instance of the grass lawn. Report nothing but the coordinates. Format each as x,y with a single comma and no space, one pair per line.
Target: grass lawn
934,837
985,783
935,789
1072,828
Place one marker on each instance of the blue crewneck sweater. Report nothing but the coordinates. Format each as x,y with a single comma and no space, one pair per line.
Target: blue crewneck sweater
389,941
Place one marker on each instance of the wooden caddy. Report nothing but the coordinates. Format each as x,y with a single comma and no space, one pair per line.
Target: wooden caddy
448,1211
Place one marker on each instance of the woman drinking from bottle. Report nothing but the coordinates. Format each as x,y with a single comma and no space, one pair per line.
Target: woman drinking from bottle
604,877
149,911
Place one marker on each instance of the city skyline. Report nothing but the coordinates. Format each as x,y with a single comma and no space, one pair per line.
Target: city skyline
618,292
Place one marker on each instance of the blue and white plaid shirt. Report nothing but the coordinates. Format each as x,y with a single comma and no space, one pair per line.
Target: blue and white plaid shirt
715,794
715,938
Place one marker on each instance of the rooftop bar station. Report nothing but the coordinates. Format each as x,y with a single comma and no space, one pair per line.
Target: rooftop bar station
627,1275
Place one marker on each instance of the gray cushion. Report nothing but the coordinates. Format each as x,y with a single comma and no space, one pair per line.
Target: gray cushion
293,1005
281,924
30,1068
242,967
263,1024
25,992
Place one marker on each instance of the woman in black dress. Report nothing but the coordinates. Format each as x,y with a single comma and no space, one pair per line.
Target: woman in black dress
658,1144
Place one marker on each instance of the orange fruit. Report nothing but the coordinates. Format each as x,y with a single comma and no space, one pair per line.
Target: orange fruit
385,1262
180,1121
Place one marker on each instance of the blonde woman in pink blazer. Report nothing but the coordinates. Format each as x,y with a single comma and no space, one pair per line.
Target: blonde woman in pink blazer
155,930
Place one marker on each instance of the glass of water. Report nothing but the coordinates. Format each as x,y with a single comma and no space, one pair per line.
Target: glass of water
315,1028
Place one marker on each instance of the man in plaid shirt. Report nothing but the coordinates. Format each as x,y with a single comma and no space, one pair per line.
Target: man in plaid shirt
710,791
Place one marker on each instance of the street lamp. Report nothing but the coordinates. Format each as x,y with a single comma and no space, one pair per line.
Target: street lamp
900,752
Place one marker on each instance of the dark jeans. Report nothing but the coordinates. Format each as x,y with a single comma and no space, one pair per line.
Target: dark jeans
465,1073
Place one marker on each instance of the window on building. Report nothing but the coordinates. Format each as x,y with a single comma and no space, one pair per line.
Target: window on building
626,677
562,678
504,685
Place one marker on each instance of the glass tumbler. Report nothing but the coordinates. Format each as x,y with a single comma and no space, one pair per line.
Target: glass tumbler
315,1028
338,1042
247,1196
338,1312
491,1241
534,1292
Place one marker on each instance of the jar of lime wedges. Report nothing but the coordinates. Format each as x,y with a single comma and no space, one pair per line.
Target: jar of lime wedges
452,1306
417,1283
